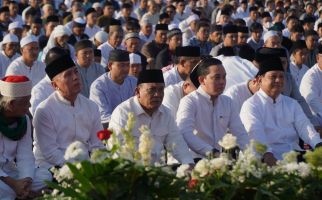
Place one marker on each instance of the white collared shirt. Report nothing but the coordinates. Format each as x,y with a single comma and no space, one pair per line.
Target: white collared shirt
277,124
238,70
298,73
203,123
239,94
17,153
58,124
40,92
34,73
5,62
162,126
172,96
172,76
108,95
311,89
105,48
91,31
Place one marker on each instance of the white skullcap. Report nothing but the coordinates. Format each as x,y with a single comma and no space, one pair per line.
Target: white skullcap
192,18
80,20
14,25
60,30
135,58
97,5
101,36
78,14
10,38
28,39
269,34
15,86
172,26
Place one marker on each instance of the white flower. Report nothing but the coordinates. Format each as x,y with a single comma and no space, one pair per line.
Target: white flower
145,145
182,171
76,152
290,157
218,163
304,169
291,167
202,168
228,141
63,173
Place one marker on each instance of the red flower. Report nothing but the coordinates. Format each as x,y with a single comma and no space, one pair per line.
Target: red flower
192,183
104,134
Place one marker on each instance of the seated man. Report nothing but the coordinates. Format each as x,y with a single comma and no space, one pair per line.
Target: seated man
65,116
205,115
147,108
274,119
18,177
114,87
310,86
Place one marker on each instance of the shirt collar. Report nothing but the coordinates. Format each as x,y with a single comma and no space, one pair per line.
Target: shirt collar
268,98
204,94
65,101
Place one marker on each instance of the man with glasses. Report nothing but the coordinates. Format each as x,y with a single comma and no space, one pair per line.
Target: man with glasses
114,87
147,109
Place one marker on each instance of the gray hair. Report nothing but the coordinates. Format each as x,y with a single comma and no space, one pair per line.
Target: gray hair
4,102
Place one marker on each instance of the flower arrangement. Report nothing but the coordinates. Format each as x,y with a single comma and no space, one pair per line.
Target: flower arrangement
124,171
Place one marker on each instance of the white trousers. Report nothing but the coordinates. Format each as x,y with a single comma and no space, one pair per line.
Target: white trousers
41,174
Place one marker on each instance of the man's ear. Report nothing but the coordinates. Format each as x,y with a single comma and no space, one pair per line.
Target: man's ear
201,80
137,91
11,105
109,65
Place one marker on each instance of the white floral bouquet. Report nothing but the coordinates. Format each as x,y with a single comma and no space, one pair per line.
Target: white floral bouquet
124,171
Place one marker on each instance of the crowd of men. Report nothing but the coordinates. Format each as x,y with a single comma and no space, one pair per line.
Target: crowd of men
191,70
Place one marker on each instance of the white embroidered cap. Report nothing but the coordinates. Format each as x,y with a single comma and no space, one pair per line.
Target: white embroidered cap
192,18
15,86
10,38
135,58
27,40
269,34
101,36
14,25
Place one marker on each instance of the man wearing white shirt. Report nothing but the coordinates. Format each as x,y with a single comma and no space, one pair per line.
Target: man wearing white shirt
147,109
273,119
186,58
205,115
114,41
65,116
91,28
10,46
27,63
310,87
114,87
299,56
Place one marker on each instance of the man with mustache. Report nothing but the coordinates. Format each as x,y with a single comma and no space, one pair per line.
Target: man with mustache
148,110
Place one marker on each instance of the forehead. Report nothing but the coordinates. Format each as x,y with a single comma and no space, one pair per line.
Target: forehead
151,85
274,73
216,69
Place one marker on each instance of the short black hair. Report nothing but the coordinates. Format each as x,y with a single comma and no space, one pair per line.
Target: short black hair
203,66
201,24
255,27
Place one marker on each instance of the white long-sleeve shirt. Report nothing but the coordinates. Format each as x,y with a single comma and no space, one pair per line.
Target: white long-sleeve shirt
40,92
172,96
172,76
298,73
238,94
203,123
34,73
277,125
5,62
162,126
105,48
58,124
238,69
19,153
311,89
107,94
